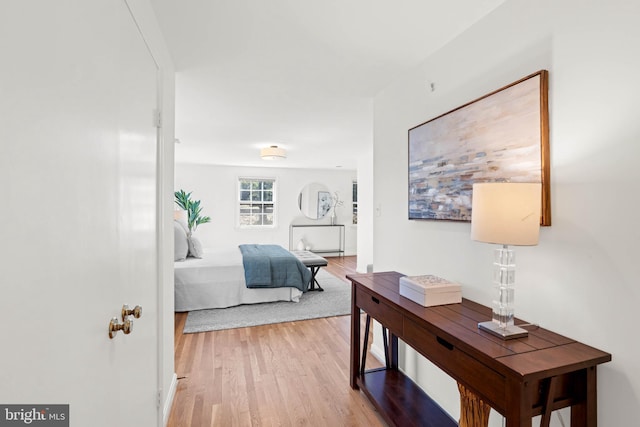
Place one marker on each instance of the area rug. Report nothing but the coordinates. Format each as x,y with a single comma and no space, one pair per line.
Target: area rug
334,301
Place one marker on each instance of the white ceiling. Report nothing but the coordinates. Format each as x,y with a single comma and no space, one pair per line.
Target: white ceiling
299,74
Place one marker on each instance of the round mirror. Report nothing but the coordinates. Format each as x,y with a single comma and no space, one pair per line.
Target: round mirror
314,201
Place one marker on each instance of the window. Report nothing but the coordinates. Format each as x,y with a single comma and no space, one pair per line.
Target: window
354,198
256,201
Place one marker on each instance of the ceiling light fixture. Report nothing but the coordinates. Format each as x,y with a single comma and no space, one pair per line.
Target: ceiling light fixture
273,153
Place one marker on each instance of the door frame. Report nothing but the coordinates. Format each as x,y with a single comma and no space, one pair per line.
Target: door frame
144,18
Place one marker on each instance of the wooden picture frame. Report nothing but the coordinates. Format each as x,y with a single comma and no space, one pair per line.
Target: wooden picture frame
500,137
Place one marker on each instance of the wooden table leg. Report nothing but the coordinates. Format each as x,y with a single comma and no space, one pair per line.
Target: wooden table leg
585,413
550,391
473,411
355,341
365,346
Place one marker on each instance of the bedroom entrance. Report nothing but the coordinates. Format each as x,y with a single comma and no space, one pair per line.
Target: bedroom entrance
284,373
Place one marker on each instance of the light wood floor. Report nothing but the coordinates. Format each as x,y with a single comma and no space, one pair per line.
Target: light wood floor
287,374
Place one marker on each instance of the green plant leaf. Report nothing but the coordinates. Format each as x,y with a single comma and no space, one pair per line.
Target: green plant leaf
182,199
193,208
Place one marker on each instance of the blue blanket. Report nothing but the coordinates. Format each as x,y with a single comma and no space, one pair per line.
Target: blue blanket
272,266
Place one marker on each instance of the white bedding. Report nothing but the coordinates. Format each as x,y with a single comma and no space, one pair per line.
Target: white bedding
217,281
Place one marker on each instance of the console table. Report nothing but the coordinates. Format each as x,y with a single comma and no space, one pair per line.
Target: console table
519,378
339,243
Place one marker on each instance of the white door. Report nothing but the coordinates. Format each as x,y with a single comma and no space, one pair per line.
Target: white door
78,224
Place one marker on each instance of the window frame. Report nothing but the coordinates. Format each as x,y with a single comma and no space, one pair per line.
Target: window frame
354,203
239,203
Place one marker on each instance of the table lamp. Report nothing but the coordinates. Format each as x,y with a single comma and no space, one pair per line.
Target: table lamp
507,214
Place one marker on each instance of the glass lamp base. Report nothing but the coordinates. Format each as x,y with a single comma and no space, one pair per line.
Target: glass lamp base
506,333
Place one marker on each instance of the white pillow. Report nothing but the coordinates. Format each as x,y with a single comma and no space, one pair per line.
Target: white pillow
181,245
183,223
195,247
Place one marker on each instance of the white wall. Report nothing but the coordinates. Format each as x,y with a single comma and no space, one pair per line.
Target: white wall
581,280
216,187
365,211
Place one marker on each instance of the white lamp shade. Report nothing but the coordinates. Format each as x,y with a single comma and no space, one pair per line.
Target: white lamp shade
273,152
506,213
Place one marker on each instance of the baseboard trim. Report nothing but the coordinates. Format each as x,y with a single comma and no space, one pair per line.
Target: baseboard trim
168,403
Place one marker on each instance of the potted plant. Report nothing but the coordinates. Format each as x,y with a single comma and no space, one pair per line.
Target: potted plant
193,210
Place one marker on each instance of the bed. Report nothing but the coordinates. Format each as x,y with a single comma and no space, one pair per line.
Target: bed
245,274
217,280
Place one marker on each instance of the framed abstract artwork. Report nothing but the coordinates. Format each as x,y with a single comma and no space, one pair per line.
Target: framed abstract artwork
324,203
500,137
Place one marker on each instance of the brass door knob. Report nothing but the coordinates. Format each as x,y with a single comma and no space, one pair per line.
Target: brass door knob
136,312
115,326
